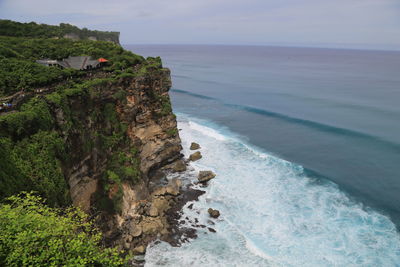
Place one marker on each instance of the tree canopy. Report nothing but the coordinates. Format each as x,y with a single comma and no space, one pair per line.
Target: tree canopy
34,30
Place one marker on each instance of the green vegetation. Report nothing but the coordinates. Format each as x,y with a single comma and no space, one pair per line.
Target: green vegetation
166,107
32,234
34,164
120,95
19,71
172,131
32,117
34,30
30,153
49,132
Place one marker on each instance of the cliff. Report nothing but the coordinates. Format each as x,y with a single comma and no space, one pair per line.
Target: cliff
123,133
101,140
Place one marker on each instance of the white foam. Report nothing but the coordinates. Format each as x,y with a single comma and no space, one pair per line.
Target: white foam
206,131
272,215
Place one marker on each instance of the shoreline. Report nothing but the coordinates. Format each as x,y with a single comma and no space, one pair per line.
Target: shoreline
179,230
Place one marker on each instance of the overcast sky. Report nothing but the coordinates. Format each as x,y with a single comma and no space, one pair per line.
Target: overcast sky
332,23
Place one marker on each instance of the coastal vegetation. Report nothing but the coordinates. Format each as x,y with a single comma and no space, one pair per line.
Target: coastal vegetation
60,117
35,30
33,234
18,70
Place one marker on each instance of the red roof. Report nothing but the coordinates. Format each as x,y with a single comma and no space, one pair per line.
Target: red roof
102,60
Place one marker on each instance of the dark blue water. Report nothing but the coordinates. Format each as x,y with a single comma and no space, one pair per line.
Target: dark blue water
335,112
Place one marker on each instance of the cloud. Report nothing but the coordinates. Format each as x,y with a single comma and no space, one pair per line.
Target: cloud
352,22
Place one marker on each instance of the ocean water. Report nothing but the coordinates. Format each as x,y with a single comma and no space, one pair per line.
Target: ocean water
306,146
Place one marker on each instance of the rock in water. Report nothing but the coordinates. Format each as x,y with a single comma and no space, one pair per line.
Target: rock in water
194,146
179,166
139,250
205,176
195,156
213,213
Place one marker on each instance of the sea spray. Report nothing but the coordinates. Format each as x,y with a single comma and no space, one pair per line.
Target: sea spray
272,214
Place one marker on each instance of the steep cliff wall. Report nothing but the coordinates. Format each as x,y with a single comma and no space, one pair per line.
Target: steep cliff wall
128,133
101,139
118,134
115,133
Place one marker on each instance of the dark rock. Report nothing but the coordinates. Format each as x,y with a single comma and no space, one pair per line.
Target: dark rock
194,146
179,234
213,213
195,156
205,176
211,230
190,206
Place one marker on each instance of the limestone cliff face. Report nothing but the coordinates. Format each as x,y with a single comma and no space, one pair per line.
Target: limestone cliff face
122,128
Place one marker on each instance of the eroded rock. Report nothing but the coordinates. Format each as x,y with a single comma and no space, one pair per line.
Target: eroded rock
139,250
179,166
195,156
205,176
194,146
213,213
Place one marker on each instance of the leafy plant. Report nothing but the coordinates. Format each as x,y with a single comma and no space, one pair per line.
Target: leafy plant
32,234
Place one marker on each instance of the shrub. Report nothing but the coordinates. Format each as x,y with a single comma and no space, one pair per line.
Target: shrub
32,234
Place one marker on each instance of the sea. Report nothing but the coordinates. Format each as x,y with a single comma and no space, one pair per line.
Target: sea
305,143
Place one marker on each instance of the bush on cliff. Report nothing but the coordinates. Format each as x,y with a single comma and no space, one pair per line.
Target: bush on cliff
32,234
19,71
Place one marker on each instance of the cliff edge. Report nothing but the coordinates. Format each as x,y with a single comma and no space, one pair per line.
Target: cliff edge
99,139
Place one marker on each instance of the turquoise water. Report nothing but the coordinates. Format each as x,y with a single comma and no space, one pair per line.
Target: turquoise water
312,172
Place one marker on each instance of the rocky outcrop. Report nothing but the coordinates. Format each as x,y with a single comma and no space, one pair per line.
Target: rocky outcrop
194,146
195,156
205,176
124,133
179,166
213,213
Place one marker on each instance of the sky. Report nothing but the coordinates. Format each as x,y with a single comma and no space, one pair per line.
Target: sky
373,24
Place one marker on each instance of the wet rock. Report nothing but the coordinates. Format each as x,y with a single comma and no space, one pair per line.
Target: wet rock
194,146
213,213
179,166
195,156
211,230
139,250
205,176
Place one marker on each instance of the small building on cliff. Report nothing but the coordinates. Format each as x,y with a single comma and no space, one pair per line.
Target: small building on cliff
78,63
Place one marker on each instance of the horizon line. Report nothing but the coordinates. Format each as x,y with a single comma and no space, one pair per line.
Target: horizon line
339,47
